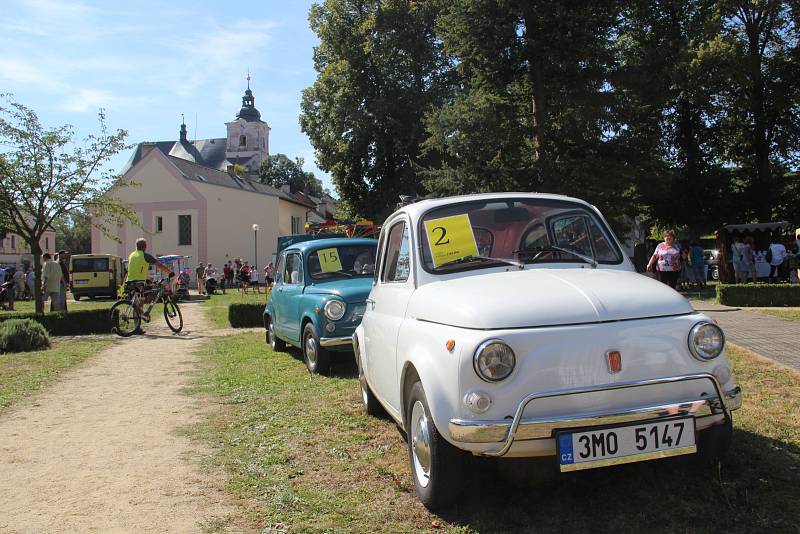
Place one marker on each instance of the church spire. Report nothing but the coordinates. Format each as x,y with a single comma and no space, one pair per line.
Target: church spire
184,137
248,111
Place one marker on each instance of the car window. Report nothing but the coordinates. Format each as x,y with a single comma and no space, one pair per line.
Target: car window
343,261
279,270
292,274
571,233
397,258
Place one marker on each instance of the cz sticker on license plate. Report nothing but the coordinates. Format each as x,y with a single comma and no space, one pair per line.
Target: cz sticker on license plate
625,444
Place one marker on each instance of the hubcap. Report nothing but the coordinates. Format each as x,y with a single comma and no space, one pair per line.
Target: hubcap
421,444
271,335
364,394
311,350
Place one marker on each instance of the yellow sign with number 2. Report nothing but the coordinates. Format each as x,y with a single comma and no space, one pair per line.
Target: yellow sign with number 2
329,260
450,238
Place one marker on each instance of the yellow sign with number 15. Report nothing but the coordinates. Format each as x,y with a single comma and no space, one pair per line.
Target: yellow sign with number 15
450,238
329,260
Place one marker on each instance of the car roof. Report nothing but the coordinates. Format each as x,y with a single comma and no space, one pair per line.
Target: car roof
417,209
330,243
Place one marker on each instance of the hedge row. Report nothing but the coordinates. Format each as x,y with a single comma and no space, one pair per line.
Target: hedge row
246,315
758,294
76,323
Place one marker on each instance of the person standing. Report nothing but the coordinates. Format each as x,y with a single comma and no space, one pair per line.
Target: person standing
52,282
776,256
269,275
31,280
698,264
737,250
199,273
19,284
749,259
62,262
667,260
254,280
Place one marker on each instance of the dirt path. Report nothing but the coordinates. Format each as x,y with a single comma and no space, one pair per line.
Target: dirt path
101,451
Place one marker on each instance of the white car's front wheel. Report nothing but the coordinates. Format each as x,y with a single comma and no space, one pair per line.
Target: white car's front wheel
371,404
436,466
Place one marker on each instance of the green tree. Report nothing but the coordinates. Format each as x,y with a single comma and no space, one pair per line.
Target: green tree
381,68
535,108
74,232
46,175
278,170
761,94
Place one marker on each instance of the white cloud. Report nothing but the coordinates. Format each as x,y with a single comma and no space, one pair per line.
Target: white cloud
22,72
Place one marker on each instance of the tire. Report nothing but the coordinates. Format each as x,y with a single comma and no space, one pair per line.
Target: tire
318,359
76,297
125,318
713,442
275,343
371,404
436,466
173,317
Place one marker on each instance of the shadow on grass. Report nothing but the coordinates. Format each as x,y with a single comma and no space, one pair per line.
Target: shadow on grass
755,489
343,364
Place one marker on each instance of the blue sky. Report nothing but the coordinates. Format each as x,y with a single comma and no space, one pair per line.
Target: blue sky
146,62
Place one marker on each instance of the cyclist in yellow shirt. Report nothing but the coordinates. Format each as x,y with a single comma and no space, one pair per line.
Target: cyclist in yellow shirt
139,262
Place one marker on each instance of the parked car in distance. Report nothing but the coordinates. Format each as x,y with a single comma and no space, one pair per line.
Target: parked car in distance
319,296
512,325
711,259
96,275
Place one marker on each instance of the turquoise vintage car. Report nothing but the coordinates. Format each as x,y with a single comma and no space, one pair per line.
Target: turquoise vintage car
319,297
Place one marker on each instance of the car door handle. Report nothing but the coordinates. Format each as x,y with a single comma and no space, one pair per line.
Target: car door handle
370,301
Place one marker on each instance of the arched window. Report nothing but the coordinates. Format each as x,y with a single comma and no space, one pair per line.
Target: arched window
242,140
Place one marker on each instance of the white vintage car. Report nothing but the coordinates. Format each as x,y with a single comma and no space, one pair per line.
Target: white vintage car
513,325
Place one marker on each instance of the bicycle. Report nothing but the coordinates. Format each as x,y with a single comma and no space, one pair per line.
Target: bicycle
127,313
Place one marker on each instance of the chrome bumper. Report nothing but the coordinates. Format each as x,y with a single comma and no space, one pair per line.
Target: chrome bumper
506,432
335,341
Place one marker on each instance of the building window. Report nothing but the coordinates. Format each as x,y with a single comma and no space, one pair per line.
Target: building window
242,140
13,244
47,244
297,228
184,230
159,224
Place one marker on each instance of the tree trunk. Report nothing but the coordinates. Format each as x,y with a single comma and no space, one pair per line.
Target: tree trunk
36,250
761,189
536,81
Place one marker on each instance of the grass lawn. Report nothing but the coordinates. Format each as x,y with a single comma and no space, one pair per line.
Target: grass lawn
216,307
26,306
25,373
784,314
302,456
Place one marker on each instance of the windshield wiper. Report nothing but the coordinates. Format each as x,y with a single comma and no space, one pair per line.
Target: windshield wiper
336,272
553,248
466,259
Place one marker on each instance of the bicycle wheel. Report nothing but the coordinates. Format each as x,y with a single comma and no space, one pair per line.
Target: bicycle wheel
125,318
172,314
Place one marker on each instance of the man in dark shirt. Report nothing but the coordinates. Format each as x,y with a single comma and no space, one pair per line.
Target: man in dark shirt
63,256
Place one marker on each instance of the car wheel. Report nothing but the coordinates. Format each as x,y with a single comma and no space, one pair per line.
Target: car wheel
277,345
371,404
436,466
713,442
317,358
76,297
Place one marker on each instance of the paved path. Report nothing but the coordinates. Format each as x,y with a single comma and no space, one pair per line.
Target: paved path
102,450
773,337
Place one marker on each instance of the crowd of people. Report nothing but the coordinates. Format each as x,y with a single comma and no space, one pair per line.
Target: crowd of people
682,265
18,282
235,273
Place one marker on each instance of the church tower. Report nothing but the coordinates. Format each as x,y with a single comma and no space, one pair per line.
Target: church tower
248,135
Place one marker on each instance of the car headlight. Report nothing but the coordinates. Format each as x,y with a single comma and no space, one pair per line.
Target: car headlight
706,341
494,360
334,309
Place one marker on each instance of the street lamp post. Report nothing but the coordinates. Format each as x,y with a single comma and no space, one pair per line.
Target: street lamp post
255,242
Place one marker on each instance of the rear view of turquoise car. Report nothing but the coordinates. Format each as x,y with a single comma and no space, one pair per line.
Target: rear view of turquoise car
319,296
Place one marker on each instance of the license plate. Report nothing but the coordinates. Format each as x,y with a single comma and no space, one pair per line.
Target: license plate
625,444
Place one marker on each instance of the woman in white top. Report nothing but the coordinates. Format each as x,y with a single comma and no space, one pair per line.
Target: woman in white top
254,279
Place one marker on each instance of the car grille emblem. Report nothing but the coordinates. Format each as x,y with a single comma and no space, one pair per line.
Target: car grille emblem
614,361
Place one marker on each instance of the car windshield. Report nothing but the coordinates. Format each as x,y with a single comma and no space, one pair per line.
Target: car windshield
343,261
483,234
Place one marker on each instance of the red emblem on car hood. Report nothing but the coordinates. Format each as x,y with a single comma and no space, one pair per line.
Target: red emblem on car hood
614,361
